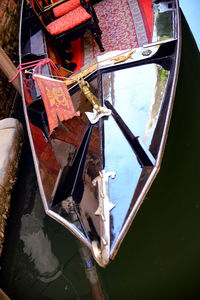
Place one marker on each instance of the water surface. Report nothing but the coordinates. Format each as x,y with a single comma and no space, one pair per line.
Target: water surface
159,258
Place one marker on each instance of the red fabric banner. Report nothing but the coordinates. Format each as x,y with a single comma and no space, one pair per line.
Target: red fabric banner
57,100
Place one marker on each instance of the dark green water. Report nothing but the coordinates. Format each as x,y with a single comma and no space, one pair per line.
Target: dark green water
160,256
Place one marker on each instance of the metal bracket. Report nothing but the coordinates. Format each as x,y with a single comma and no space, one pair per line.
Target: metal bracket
96,115
103,211
98,110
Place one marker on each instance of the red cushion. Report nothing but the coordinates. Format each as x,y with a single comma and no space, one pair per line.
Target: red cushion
54,1
68,21
65,7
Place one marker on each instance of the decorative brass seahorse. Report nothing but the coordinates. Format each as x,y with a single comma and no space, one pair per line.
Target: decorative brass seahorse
98,110
85,87
122,58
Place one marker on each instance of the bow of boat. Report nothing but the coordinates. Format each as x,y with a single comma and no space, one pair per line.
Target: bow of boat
98,121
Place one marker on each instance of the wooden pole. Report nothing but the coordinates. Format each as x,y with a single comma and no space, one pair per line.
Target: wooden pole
3,296
9,69
90,268
91,272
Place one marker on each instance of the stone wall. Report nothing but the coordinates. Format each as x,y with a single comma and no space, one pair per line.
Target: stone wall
9,32
9,135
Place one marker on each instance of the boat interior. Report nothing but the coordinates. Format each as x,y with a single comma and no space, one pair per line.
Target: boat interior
109,25
116,59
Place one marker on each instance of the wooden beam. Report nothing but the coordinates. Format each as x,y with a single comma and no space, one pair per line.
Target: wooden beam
9,69
3,296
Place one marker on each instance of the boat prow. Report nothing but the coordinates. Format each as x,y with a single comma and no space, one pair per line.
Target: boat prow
98,135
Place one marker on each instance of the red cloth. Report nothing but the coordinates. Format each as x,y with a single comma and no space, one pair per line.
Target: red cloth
68,21
76,49
147,15
66,7
57,101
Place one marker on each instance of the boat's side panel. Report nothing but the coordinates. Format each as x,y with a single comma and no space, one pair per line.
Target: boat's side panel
159,138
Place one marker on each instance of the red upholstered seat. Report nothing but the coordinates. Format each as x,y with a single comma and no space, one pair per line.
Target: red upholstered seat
66,7
68,21
70,26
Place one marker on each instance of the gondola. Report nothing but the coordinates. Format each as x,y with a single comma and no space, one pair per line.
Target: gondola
97,98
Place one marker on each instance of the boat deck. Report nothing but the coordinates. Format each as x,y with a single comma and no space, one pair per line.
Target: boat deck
124,24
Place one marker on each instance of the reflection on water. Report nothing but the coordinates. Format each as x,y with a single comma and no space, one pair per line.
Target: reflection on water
163,28
161,78
37,245
127,174
139,108
41,259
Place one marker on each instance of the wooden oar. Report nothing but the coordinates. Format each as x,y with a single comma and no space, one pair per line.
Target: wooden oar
9,69
91,272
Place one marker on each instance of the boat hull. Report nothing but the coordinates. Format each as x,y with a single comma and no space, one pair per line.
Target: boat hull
93,178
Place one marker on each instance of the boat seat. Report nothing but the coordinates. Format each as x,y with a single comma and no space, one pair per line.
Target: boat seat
65,7
62,7
68,21
67,28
